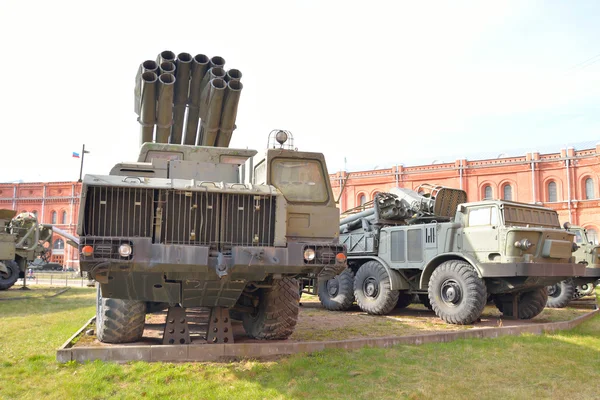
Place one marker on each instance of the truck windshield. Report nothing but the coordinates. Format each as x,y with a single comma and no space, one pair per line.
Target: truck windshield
299,180
483,216
523,216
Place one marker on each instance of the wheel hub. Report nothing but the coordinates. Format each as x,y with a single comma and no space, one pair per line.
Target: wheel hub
371,287
554,290
333,287
451,293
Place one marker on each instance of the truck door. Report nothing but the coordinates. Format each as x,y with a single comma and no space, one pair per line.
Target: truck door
480,233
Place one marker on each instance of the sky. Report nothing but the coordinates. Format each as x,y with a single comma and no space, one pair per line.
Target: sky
366,83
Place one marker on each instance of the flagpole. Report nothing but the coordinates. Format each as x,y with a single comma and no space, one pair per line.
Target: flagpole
81,168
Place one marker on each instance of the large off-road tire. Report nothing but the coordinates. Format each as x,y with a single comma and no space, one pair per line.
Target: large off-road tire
584,290
424,298
372,289
560,294
119,321
530,303
10,278
277,312
457,294
337,294
404,300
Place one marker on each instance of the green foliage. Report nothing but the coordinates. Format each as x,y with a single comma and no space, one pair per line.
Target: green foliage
547,366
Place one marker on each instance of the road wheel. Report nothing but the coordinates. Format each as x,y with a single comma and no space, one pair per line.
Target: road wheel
560,294
276,315
337,293
424,298
372,289
9,278
457,294
404,300
119,321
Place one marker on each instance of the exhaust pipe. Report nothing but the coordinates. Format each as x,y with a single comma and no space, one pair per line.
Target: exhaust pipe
182,85
229,114
146,66
200,64
164,118
165,56
233,75
147,114
213,105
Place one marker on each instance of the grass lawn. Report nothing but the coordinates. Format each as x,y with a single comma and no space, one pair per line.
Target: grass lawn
561,366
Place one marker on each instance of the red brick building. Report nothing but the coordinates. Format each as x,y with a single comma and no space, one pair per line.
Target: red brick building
567,181
54,203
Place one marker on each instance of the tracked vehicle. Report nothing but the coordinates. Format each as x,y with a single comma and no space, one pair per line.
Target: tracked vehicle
194,223
588,254
452,254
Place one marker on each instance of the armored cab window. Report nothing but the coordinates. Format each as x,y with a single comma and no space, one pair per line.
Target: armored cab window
299,180
578,237
260,173
483,216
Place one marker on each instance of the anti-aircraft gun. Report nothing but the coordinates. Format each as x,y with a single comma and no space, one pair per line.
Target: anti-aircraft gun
22,239
588,254
451,254
194,223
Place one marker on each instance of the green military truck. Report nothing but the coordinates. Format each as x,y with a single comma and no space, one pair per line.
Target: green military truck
452,254
588,254
22,240
200,224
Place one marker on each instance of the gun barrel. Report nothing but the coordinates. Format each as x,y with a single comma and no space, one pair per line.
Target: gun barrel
164,117
200,65
147,117
229,114
182,85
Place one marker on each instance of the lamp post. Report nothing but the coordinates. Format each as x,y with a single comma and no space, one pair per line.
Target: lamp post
83,151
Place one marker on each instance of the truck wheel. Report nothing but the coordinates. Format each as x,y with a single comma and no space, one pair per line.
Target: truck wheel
337,294
119,321
424,298
404,300
277,312
532,303
372,289
457,294
10,278
584,290
560,294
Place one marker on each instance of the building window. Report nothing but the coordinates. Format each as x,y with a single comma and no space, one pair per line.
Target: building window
54,217
58,244
589,188
592,235
552,192
34,212
487,192
507,192
63,219
375,194
362,199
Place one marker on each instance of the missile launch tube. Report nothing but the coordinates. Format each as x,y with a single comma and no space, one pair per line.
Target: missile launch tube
146,66
147,117
167,67
200,65
214,105
164,112
233,75
229,113
217,61
165,56
356,216
182,85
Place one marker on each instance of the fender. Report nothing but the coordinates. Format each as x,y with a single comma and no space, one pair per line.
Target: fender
397,279
436,261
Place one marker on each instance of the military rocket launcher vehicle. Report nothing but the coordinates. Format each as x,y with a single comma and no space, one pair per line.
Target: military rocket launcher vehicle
194,223
452,254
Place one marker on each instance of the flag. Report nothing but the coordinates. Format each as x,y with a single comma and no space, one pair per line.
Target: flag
76,155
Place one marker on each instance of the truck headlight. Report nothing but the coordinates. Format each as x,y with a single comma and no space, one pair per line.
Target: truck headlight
523,244
125,250
309,254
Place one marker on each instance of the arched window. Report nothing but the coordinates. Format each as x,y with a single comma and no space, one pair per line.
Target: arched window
592,235
54,217
362,199
552,192
58,244
63,219
589,188
375,194
487,192
507,192
34,212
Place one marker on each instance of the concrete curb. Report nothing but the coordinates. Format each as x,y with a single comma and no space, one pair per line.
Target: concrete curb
41,297
217,352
